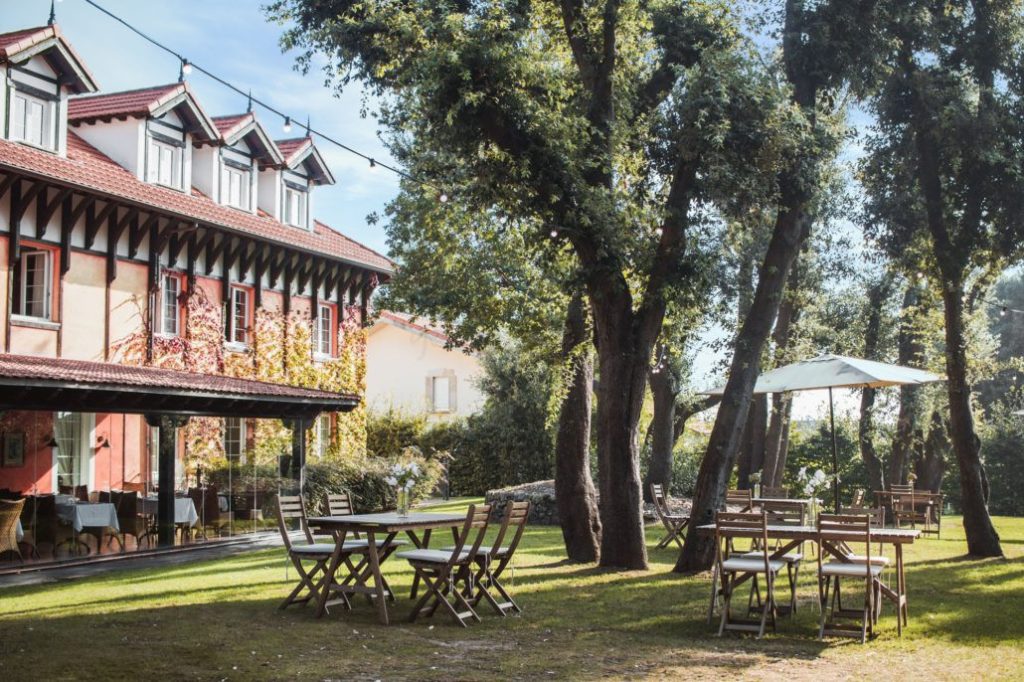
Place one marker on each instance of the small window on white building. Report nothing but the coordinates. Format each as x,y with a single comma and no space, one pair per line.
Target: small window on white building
325,330
170,306
440,394
240,314
163,163
33,120
234,438
35,286
234,187
294,207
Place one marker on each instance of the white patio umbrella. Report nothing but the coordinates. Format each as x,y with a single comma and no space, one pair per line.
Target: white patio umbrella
835,371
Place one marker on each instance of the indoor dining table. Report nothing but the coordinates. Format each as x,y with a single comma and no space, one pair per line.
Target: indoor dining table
834,544
388,525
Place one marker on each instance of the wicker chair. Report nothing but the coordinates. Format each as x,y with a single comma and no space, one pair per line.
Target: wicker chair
10,512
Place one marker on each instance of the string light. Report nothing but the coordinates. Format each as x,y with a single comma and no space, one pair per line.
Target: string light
554,234
658,231
187,67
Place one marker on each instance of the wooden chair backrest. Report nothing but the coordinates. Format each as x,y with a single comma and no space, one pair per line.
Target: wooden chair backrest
127,505
206,503
738,498
340,504
783,512
855,529
900,488
660,503
730,525
290,507
516,515
876,514
774,493
473,530
82,493
858,498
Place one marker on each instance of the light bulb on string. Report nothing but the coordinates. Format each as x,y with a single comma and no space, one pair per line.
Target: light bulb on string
554,234
287,127
1002,313
658,231
373,165
186,68
920,275
443,198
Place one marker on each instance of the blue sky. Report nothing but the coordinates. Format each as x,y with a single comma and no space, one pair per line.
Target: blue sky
233,39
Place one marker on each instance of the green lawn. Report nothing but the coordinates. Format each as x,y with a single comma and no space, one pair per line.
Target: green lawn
218,619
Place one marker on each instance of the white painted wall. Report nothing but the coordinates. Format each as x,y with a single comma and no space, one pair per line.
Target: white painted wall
122,141
206,170
398,362
268,196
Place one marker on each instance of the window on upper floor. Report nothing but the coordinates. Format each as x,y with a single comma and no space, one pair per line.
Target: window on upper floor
33,287
294,206
33,120
170,305
234,186
325,330
439,392
164,163
241,311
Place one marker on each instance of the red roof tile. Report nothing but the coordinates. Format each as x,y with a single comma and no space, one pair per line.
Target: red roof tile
87,168
141,102
27,367
228,124
293,147
17,41
410,322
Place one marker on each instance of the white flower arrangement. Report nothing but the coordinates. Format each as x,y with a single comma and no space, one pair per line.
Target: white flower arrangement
403,475
755,477
812,483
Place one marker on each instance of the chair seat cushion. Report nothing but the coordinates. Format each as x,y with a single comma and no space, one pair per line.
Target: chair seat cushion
357,543
875,560
789,558
741,564
312,550
502,551
432,556
851,570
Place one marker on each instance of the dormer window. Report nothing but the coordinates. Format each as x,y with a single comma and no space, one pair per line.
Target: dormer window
294,205
234,186
33,119
164,162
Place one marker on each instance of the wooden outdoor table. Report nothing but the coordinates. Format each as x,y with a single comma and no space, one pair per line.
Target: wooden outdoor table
388,524
834,543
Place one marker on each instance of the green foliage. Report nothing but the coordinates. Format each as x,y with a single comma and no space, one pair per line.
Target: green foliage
811,447
1002,441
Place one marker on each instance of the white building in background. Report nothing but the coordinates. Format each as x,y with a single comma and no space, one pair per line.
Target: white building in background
409,369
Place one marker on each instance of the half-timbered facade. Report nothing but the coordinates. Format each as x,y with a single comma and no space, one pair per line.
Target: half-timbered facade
115,206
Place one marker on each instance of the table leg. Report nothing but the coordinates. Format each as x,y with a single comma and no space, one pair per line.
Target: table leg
378,581
902,589
328,579
424,544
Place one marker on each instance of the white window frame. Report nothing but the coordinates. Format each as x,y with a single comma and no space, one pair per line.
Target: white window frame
323,435
233,329
434,383
244,177
164,279
229,423
155,153
19,129
325,325
23,285
299,204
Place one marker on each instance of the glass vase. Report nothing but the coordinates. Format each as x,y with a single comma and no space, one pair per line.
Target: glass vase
812,511
402,496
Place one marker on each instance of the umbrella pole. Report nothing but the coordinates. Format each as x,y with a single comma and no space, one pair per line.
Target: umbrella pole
835,449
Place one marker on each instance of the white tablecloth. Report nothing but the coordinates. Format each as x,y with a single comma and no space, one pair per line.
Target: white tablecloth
184,509
89,515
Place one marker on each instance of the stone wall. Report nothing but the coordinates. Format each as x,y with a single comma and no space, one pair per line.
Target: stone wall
541,494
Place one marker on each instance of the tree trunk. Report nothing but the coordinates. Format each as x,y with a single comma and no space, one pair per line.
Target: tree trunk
931,466
791,228
664,389
754,436
777,445
877,295
575,494
865,434
982,539
911,352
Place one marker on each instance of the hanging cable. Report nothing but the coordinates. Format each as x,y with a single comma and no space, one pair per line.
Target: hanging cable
188,66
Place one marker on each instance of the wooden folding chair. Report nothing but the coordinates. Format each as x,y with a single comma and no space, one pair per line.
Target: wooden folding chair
442,571
784,513
491,563
735,570
290,508
674,524
770,493
733,498
853,529
858,498
739,498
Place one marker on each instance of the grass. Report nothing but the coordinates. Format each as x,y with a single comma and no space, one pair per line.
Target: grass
218,619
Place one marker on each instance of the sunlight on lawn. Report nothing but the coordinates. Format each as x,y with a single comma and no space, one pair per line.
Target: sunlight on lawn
220,617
